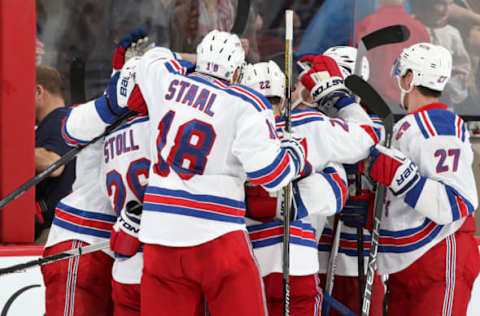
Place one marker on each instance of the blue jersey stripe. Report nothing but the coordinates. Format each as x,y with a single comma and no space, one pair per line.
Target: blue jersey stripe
337,191
279,240
443,121
411,198
420,125
414,246
278,179
103,110
196,197
81,229
151,207
87,214
268,169
452,194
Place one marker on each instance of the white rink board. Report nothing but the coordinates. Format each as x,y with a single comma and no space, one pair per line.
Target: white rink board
31,301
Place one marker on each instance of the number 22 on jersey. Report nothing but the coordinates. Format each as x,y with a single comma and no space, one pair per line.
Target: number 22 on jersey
189,154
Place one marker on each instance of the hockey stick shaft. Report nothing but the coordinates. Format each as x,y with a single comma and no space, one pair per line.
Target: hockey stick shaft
57,257
60,162
288,188
332,265
376,104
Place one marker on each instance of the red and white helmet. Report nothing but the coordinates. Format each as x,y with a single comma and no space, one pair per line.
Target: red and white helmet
264,77
345,57
219,54
430,64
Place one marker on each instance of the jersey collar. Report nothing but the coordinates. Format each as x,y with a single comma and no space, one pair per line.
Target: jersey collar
431,106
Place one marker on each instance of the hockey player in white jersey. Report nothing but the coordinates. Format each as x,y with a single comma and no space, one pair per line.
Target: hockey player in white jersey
83,217
357,213
209,136
83,285
426,238
124,176
264,219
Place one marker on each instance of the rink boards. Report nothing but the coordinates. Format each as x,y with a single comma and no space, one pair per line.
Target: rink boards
23,292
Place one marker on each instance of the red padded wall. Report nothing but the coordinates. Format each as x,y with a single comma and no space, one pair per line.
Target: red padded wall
17,116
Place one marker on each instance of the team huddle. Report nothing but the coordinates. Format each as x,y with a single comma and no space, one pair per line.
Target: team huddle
189,189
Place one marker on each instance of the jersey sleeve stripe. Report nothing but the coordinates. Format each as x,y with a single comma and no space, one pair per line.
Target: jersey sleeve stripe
339,188
278,180
460,206
411,198
373,132
103,110
69,139
272,171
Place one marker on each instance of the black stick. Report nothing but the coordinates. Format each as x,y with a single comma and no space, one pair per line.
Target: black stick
60,162
376,104
57,257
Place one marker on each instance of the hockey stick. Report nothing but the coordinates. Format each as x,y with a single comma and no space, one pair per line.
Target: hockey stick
57,257
332,264
243,11
387,35
376,104
60,162
288,188
384,36
77,81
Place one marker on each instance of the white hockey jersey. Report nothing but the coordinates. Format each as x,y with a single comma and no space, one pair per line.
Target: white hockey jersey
437,141
208,136
85,214
346,139
313,207
347,261
124,176
328,140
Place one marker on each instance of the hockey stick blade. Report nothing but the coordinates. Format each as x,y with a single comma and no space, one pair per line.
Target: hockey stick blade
388,35
384,36
57,257
243,10
373,101
60,162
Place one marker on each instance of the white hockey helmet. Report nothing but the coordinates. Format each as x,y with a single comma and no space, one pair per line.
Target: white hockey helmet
430,64
265,77
345,57
219,54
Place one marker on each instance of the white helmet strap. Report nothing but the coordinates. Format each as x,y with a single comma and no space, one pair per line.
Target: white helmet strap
300,100
404,92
